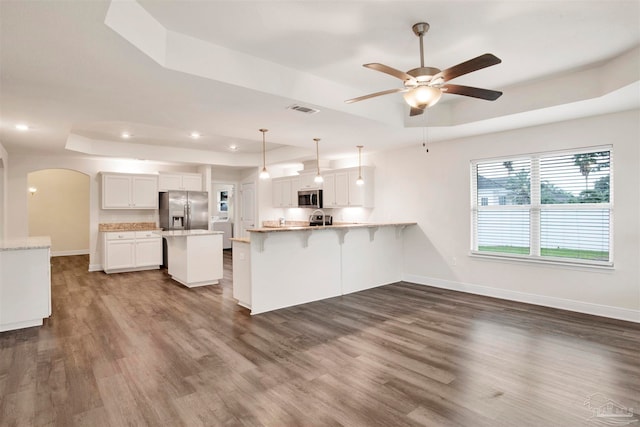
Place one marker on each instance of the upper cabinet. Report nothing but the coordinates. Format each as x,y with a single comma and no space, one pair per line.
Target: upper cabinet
340,189
180,181
307,181
285,191
129,191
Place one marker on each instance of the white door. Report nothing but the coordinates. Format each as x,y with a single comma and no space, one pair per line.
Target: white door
248,209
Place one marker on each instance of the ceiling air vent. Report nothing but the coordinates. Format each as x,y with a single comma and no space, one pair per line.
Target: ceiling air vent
302,109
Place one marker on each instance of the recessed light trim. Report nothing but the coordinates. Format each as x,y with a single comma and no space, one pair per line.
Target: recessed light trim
23,127
233,147
195,135
125,135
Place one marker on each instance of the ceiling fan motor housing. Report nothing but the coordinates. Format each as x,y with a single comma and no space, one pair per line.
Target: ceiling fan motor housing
421,75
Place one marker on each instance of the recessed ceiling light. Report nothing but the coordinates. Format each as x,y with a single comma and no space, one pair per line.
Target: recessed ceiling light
233,147
125,135
22,126
195,135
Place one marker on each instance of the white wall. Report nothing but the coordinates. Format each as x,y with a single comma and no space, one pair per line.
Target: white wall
4,183
23,164
434,190
60,209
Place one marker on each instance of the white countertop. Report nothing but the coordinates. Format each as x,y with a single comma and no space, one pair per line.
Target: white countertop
187,233
21,243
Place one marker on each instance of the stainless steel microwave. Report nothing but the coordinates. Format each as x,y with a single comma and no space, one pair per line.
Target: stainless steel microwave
310,199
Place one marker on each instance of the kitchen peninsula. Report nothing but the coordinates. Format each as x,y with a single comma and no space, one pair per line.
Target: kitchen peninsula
25,282
194,256
288,265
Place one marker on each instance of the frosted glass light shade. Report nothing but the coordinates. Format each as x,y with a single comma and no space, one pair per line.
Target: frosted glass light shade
423,96
318,179
264,174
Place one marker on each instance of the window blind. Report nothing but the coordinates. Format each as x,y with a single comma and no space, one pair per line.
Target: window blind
554,206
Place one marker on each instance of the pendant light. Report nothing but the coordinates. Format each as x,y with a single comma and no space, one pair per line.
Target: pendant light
264,174
359,181
318,179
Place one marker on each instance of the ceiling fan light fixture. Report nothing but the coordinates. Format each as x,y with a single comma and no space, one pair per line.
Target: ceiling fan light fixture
422,96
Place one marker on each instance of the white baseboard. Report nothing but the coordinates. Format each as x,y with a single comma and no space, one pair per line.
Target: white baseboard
70,253
546,301
95,267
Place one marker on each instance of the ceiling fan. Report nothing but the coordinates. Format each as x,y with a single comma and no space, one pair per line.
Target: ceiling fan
424,86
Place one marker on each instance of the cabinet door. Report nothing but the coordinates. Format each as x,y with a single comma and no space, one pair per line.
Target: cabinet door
144,192
295,186
169,181
356,192
120,254
286,193
116,191
329,191
192,182
276,190
306,181
148,252
342,188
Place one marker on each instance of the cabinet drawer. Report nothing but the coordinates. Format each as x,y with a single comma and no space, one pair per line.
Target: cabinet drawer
121,235
147,234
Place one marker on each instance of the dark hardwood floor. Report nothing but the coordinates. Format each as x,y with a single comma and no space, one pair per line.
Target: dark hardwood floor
139,349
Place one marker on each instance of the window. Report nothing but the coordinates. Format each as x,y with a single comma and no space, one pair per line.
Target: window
549,206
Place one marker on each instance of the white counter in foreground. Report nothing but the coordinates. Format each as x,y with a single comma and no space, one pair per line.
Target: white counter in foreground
287,266
25,282
194,256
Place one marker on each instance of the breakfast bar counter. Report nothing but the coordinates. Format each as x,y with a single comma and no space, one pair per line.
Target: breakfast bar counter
285,265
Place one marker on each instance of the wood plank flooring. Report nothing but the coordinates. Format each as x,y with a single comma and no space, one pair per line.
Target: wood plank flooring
138,349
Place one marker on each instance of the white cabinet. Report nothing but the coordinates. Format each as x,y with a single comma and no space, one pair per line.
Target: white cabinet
180,181
285,192
340,189
307,180
329,190
148,250
131,250
129,191
25,288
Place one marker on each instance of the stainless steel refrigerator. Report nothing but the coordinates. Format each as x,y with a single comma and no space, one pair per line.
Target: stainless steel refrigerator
184,210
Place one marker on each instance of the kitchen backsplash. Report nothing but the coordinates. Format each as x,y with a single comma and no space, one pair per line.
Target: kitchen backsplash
106,216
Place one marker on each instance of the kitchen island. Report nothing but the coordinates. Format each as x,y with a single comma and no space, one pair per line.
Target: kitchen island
25,282
284,266
194,256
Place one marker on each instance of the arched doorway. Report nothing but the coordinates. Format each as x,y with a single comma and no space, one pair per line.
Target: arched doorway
59,207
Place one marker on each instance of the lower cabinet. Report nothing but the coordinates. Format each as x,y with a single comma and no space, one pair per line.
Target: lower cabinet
131,251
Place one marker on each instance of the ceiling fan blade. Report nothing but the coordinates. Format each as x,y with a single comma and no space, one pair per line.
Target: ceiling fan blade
475,64
388,70
474,92
416,111
373,95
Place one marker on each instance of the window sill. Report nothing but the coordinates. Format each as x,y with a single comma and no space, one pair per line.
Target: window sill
598,265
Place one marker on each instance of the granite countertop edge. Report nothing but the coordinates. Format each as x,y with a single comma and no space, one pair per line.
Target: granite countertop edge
334,226
189,233
25,243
